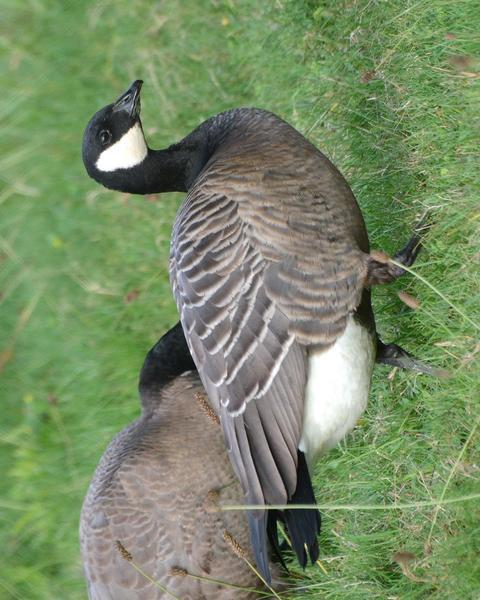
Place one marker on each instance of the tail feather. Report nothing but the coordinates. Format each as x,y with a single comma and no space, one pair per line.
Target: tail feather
257,521
382,270
303,525
272,533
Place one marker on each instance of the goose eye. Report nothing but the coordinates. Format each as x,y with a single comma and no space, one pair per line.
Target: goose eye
105,136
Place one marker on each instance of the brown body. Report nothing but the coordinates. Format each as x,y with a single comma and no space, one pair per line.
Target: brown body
156,490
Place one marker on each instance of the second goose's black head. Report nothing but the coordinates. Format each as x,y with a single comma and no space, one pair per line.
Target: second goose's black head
113,142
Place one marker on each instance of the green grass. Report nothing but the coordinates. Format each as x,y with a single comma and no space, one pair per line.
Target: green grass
389,90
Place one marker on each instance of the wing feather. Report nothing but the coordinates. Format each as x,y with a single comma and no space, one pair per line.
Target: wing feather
268,258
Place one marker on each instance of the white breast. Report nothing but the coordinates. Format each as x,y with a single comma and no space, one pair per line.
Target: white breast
337,390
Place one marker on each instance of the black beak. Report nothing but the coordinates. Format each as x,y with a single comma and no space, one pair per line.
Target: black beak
129,101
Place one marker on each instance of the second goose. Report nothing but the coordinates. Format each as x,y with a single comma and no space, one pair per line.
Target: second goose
155,494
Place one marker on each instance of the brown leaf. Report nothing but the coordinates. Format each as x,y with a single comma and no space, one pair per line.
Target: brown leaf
450,36
367,76
403,557
409,300
131,296
461,61
52,399
380,256
5,357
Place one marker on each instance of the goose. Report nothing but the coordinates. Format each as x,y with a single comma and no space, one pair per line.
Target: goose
271,271
154,494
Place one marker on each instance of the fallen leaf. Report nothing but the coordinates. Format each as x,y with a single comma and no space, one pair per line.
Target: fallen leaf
403,557
461,61
379,256
409,300
367,76
5,357
131,296
52,399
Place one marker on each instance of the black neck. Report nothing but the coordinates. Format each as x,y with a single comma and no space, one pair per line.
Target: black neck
173,169
169,358
170,170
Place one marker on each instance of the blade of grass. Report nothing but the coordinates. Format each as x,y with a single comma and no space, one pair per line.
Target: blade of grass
353,507
449,479
437,291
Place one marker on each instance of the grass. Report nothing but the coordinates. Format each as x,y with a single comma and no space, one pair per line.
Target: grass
389,90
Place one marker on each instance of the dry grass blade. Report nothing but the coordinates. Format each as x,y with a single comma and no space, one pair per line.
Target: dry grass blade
449,479
437,291
353,507
226,584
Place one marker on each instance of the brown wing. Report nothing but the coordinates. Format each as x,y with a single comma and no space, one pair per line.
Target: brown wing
265,261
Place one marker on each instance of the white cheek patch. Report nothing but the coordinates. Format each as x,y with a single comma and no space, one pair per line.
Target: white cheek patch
129,151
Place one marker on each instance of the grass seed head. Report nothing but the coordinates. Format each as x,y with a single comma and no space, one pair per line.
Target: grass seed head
123,551
234,545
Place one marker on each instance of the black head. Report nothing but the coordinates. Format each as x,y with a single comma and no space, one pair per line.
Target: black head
113,140
167,360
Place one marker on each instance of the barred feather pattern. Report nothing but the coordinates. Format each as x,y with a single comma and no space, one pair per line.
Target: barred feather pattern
151,496
269,257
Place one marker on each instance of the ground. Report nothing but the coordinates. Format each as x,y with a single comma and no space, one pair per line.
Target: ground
389,91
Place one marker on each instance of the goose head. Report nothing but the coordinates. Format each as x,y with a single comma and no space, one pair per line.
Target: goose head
113,142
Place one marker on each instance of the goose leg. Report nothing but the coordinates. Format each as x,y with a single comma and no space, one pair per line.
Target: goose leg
396,356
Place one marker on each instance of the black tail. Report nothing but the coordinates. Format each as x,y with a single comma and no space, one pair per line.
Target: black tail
302,525
381,270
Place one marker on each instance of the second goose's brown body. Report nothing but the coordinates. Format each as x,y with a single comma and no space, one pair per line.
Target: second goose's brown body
157,490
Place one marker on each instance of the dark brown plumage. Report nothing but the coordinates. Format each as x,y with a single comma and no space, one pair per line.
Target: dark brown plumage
155,496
